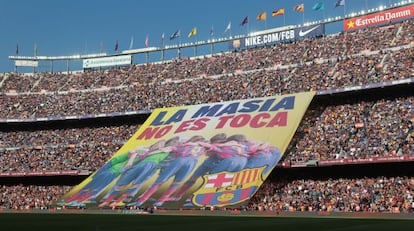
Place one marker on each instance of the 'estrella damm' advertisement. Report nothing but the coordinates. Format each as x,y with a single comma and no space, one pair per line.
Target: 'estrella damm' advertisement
215,154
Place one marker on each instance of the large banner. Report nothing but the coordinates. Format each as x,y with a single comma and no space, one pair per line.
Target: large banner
383,17
215,154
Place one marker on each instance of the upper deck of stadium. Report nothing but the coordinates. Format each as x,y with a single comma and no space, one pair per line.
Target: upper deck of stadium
369,57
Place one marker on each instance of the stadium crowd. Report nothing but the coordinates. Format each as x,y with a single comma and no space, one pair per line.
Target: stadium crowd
367,128
369,194
25,197
359,130
310,64
380,194
61,149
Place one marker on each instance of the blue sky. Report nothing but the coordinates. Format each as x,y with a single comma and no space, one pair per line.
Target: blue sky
63,27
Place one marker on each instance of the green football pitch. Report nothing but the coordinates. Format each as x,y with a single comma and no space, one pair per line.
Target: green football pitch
153,222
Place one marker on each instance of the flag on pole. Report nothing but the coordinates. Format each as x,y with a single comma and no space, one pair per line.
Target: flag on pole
17,49
211,31
340,3
280,11
35,49
116,45
245,21
299,8
162,39
228,27
176,34
101,47
261,16
192,32
146,41
318,6
131,43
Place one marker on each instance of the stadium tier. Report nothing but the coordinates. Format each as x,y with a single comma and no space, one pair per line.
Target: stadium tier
336,61
63,127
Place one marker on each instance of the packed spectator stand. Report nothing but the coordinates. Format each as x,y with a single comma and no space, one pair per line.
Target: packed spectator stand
337,127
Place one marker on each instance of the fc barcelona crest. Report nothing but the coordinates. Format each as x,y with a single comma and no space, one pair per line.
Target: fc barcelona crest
228,188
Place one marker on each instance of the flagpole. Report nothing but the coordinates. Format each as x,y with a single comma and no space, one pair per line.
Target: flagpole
346,32
35,55
162,46
195,47
146,46
17,54
179,46
323,11
284,20
303,18
211,39
344,10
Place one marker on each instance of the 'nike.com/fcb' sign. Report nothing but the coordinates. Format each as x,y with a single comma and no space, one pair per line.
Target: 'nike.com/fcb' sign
279,36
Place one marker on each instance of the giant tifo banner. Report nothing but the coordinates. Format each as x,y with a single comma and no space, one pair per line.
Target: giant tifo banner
278,37
215,154
386,16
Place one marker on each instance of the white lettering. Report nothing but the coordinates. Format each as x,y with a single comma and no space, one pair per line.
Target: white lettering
388,16
400,14
269,38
